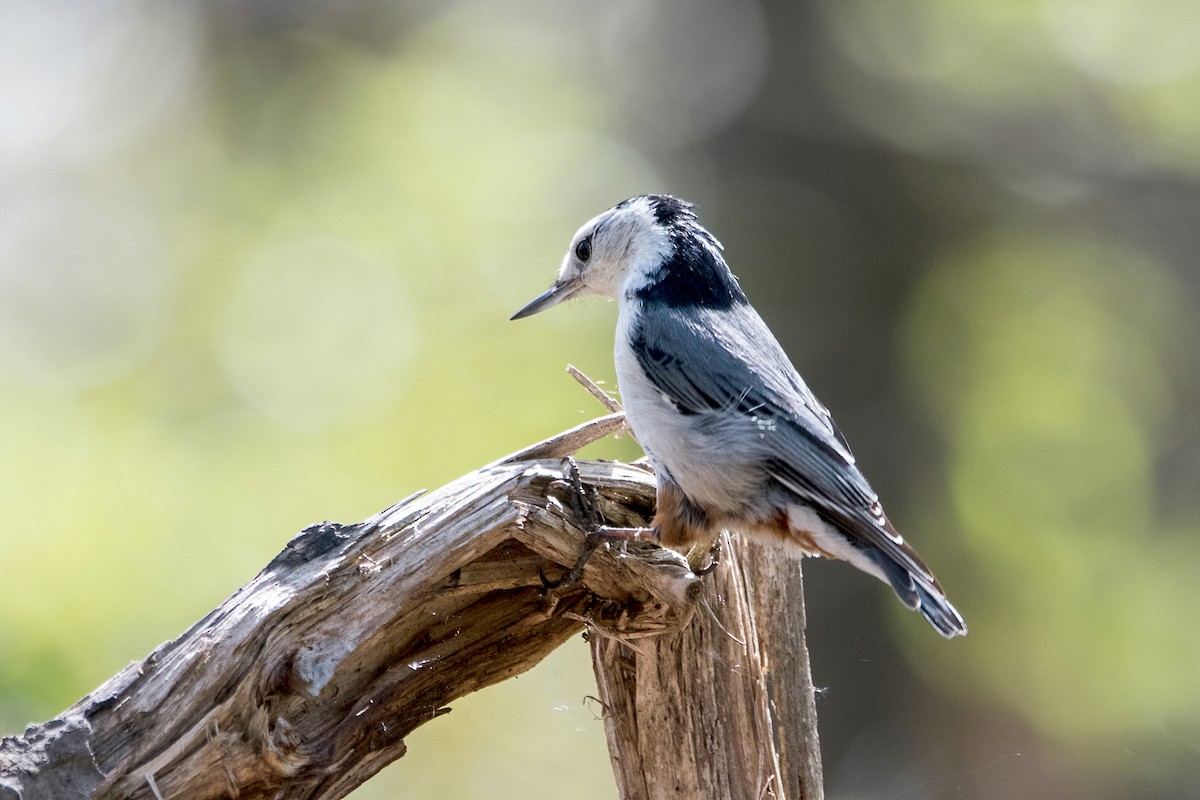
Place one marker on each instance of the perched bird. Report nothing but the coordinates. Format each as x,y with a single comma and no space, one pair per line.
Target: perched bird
736,439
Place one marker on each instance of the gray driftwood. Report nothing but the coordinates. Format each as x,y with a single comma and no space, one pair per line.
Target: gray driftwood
305,682
722,708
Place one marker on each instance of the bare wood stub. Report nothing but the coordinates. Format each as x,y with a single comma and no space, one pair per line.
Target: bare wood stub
722,709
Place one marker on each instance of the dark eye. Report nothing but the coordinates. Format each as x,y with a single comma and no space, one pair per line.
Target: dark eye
583,250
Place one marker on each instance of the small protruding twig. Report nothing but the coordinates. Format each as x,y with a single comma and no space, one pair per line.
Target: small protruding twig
605,400
569,442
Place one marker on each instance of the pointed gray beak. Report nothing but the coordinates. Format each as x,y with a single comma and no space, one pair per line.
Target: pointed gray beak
551,297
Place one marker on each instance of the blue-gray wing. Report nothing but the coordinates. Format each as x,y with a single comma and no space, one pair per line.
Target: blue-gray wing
731,363
708,361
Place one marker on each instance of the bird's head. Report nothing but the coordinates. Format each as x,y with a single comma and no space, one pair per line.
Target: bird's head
624,249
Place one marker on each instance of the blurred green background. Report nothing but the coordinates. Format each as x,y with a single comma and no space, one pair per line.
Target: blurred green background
257,260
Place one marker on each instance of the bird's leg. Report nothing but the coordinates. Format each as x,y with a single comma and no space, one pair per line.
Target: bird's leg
585,501
714,559
585,506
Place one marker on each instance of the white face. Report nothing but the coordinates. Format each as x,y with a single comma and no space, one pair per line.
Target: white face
614,252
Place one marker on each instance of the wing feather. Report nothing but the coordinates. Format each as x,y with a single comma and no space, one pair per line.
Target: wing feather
706,365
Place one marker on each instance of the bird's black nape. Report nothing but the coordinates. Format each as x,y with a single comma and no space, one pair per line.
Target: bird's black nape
694,274
669,211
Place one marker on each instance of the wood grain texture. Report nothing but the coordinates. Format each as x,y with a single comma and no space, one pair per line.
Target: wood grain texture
723,708
307,680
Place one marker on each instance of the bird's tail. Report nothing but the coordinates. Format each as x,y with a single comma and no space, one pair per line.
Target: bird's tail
922,593
941,614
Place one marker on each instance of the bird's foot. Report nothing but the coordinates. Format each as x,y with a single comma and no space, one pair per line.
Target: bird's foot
584,501
602,534
714,560
585,506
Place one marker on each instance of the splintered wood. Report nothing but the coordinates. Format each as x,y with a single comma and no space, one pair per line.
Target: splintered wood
722,708
307,680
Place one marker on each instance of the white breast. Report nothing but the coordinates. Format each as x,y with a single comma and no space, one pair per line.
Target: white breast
716,459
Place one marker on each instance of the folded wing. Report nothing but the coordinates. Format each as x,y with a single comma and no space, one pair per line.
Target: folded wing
706,365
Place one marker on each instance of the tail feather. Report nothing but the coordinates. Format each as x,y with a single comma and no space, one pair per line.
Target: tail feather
941,614
872,544
923,595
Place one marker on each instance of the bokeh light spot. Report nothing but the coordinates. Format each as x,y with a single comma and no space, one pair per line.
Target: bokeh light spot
315,333
1047,361
85,286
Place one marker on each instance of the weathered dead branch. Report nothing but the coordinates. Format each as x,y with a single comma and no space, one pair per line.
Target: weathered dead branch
305,682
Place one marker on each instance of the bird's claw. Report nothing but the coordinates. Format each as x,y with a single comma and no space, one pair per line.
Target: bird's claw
584,503
585,506
714,560
574,576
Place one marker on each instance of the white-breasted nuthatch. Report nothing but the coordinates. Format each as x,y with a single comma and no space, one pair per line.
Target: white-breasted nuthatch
736,439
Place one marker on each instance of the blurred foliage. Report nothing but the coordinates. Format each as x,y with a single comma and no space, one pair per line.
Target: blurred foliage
256,262
1050,363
